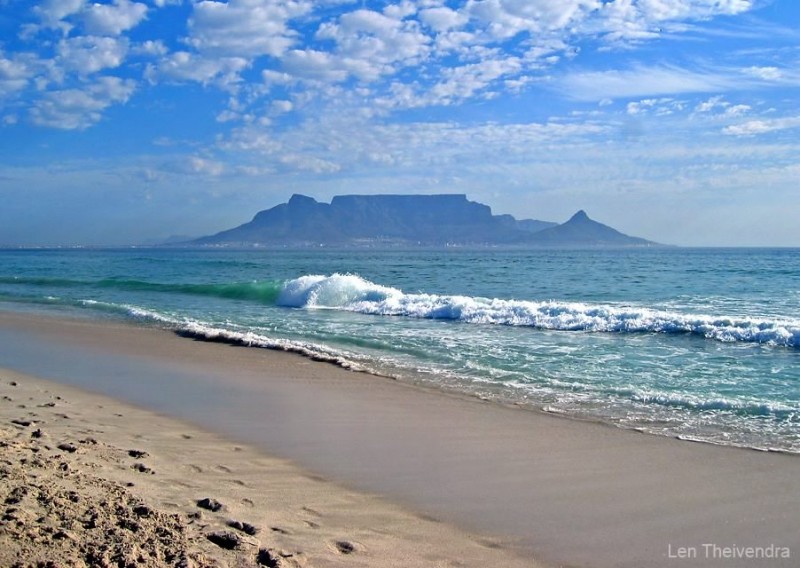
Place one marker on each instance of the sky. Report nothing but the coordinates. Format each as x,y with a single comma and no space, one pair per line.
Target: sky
126,121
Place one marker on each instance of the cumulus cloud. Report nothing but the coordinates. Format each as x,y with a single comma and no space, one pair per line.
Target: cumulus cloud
14,75
626,21
718,103
89,54
245,28
79,108
755,127
53,12
113,19
465,81
373,44
765,73
313,65
185,66
442,18
371,59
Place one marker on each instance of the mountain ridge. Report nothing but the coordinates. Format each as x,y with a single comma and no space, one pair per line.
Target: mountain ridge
408,220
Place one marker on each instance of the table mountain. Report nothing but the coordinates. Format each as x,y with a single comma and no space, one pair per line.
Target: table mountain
402,220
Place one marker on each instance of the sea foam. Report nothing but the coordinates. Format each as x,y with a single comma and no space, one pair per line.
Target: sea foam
352,293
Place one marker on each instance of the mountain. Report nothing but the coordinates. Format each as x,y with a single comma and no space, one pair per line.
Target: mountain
580,230
406,220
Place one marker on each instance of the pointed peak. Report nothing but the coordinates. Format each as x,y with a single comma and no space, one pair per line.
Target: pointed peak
579,216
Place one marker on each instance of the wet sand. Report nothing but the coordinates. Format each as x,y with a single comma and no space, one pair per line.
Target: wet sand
536,486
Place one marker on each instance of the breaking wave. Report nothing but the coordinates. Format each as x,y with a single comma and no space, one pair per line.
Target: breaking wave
352,293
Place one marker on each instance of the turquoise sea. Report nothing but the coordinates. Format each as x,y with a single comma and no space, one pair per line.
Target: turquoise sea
702,344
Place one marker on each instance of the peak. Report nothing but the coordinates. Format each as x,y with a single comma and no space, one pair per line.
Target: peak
301,197
579,216
297,199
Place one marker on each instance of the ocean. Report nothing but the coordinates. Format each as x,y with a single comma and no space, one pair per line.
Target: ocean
701,344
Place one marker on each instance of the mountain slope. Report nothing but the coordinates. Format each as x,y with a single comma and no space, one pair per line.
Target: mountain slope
580,230
408,220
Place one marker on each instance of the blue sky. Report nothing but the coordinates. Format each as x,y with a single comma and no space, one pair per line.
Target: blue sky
128,120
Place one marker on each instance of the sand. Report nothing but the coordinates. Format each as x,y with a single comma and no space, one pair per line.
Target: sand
88,481
535,487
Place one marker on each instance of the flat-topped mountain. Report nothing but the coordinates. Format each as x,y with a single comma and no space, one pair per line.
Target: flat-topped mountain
432,220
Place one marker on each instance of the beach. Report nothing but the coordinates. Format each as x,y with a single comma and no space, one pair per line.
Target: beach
401,471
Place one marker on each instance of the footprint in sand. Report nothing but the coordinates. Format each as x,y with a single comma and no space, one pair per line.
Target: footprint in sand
246,528
211,504
142,468
348,547
279,558
225,539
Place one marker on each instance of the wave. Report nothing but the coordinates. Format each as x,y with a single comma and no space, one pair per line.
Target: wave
352,293
264,292
186,327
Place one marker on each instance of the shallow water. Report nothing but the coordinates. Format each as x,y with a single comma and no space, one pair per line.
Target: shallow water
698,343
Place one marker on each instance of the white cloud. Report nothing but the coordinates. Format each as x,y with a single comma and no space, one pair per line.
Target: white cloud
314,65
14,75
711,104
755,127
503,19
372,44
204,166
737,110
765,73
150,47
718,103
350,144
628,21
310,163
72,109
113,19
186,66
465,81
281,107
245,28
642,82
443,19
89,54
52,12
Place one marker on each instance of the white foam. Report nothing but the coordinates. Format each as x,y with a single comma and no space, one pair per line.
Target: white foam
335,291
352,293
191,328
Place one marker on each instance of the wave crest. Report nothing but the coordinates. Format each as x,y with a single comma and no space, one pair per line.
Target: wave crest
352,293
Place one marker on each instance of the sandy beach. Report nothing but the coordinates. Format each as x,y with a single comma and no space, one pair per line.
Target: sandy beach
329,467
89,481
